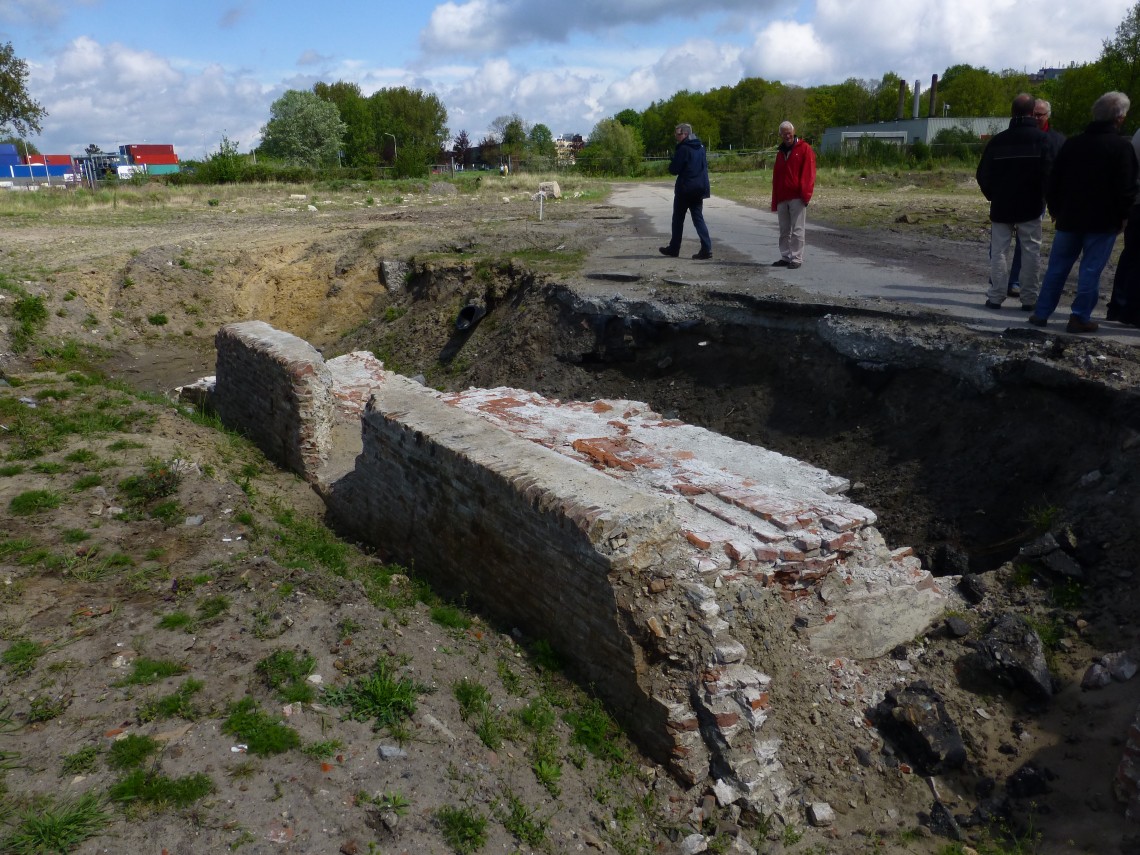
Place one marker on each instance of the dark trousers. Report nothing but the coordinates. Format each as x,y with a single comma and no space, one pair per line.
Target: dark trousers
694,205
1124,305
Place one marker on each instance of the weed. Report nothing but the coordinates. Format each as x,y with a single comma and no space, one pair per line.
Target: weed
158,481
548,773
168,513
1022,576
537,716
394,313
262,733
320,750
1069,594
285,673
176,620
347,628
490,729
21,656
212,607
545,657
86,482
50,826
792,835
521,822
510,680
81,455
380,696
158,791
158,319
30,316
242,771
463,829
473,697
1042,518
594,730
1050,631
450,616
45,708
10,470
81,762
147,671
177,704
46,467
131,751
34,502
124,445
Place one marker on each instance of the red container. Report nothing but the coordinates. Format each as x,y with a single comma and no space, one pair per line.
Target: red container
137,151
58,159
156,159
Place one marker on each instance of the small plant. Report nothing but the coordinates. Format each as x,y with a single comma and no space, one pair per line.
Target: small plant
75,535
177,704
473,697
168,512
450,616
157,320
1042,518
158,481
346,629
49,467
131,751
213,203
45,708
211,607
545,657
34,502
11,470
146,671
463,829
21,656
159,792
81,762
50,826
176,620
263,734
285,673
595,731
86,482
792,835
321,750
510,680
521,822
380,696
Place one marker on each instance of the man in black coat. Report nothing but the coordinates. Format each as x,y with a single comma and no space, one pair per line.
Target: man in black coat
1091,189
1012,174
691,167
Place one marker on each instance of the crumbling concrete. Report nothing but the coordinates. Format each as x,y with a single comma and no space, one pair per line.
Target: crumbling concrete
654,555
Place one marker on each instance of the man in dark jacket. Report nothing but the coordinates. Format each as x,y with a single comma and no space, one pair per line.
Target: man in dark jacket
1091,188
1012,174
689,193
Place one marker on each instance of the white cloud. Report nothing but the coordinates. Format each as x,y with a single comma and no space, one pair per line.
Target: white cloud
791,53
473,27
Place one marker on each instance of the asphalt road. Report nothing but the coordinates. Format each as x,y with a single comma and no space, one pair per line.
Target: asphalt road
745,243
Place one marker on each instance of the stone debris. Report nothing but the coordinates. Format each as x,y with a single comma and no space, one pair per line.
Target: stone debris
820,814
917,720
1014,654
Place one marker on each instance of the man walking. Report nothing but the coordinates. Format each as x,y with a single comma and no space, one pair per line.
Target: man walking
1013,173
793,182
1091,188
691,167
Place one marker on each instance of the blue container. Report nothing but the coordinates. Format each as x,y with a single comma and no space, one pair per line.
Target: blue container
59,169
8,148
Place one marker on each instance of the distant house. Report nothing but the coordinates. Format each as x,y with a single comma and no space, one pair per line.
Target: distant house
909,131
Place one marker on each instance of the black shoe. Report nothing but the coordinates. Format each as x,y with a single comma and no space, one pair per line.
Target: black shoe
672,253
1112,313
793,265
1027,307
702,255
990,304
1013,291
1076,325
1037,320
783,262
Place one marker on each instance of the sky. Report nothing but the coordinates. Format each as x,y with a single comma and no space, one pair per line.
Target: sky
111,73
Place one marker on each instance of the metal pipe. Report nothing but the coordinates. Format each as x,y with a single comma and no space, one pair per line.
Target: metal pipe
933,93
917,93
902,100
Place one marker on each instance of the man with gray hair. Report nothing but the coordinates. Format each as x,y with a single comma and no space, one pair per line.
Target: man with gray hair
1091,188
793,182
691,167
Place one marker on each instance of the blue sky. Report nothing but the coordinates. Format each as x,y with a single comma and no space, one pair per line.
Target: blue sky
186,73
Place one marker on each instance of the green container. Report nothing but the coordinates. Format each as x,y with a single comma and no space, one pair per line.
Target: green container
162,168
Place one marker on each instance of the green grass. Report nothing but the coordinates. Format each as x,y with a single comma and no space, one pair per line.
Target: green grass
81,762
521,822
46,707
263,734
594,730
156,791
131,751
473,697
11,470
34,502
450,616
86,482
308,544
323,749
380,696
21,656
146,671
158,481
285,672
176,620
463,829
55,826
178,704
212,607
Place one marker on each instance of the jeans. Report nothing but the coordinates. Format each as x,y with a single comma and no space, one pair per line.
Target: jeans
1094,248
695,205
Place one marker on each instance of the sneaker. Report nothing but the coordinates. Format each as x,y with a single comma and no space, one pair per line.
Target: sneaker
990,304
702,255
1076,325
793,265
672,253
783,262
1037,320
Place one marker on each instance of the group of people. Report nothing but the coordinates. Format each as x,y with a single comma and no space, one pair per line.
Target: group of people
793,182
1088,186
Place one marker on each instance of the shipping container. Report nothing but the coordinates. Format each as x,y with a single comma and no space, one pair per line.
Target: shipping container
52,159
162,168
157,159
8,148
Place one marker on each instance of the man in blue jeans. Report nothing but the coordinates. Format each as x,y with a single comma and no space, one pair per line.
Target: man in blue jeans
1091,189
691,167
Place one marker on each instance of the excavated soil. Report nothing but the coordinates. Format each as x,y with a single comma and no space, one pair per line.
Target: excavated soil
965,469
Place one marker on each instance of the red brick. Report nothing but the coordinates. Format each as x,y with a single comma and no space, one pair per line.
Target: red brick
727,719
698,539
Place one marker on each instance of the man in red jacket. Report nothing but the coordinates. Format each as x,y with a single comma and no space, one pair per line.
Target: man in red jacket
793,182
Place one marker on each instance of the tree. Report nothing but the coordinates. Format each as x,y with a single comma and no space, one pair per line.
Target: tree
223,166
540,142
973,92
18,112
409,126
359,142
613,148
1120,55
303,129
461,149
